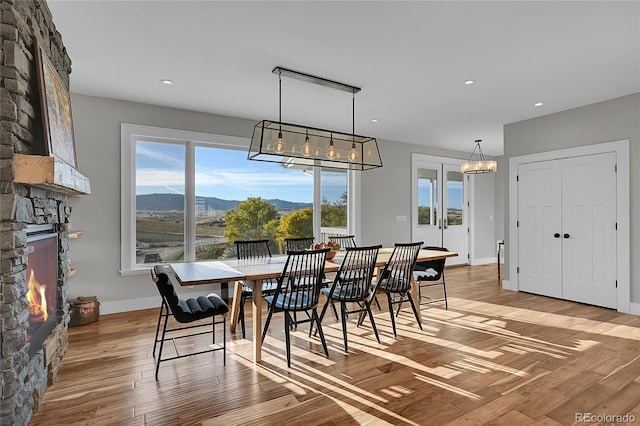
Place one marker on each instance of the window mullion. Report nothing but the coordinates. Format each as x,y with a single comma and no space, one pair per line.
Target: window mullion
190,202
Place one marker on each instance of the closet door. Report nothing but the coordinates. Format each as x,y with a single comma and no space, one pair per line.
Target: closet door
589,234
540,228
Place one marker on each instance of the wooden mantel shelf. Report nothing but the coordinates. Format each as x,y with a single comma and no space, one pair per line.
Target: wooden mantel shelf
49,173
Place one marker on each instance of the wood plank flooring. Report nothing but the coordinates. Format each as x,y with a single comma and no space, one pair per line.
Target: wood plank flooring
495,357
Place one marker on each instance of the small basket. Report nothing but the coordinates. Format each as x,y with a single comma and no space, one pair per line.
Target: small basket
84,310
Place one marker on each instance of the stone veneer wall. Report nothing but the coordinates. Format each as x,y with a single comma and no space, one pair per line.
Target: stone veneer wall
23,380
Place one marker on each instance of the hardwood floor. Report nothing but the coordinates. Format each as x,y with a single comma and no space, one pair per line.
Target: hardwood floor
495,357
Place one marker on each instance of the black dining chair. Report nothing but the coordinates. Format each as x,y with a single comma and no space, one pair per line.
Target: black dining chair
352,285
298,243
298,290
252,249
344,240
395,278
431,273
186,312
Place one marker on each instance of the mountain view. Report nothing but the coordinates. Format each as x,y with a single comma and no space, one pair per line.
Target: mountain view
175,202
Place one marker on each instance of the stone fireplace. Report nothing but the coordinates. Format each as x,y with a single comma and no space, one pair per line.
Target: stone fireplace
34,217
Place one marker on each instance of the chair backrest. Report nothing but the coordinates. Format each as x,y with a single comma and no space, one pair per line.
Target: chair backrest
252,249
353,279
301,279
397,272
435,268
168,294
298,244
344,240
189,310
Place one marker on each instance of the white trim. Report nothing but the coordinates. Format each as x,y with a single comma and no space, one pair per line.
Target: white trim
621,148
483,261
129,133
634,308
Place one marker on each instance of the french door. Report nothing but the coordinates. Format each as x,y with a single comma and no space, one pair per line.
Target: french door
439,205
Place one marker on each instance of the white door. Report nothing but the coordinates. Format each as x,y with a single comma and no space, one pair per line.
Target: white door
567,229
589,234
540,228
439,217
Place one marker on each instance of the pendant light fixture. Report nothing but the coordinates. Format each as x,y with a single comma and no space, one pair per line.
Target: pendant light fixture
482,165
303,147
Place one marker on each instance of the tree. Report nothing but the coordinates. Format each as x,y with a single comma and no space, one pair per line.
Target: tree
253,218
296,224
334,215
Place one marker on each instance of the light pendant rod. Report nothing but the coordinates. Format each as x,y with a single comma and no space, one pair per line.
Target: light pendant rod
315,80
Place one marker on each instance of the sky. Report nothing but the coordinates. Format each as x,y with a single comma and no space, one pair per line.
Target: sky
226,174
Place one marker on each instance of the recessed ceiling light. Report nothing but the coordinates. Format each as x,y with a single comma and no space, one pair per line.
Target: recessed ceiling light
469,82
538,104
374,120
167,82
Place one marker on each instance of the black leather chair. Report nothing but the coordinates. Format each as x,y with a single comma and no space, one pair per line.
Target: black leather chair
252,249
187,312
395,278
352,285
298,290
431,273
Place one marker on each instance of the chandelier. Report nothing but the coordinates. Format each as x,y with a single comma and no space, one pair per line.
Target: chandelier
294,145
481,165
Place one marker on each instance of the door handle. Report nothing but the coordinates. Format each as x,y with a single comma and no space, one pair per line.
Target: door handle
439,223
566,235
556,235
445,224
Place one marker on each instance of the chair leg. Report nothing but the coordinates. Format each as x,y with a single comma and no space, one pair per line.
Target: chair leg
377,303
266,323
164,332
444,288
324,310
335,312
243,300
224,340
373,323
155,342
343,315
314,315
393,320
415,311
287,338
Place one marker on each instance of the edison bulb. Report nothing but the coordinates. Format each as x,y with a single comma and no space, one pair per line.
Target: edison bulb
280,146
307,149
331,151
354,155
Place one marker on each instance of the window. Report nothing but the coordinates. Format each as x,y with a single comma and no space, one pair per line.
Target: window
187,196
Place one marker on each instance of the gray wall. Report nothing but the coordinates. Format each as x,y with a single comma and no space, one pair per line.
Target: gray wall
612,120
386,193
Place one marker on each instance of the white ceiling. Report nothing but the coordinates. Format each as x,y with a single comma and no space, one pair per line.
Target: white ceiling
409,58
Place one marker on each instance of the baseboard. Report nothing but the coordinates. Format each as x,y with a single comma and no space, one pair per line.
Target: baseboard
485,261
634,308
507,285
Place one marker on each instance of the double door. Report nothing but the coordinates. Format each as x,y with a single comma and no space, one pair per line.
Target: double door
567,228
439,200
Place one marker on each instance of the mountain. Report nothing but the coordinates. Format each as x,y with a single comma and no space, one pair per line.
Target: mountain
175,202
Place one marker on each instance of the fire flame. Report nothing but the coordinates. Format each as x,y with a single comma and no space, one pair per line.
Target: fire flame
37,298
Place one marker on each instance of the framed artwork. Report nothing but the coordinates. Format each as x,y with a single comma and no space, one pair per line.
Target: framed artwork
56,110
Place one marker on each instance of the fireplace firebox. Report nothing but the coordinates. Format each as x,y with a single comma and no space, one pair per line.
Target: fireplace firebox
42,278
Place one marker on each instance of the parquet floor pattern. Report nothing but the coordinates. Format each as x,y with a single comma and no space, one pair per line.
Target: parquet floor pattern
494,357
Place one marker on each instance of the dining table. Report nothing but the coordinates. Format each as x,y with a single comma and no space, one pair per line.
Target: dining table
251,272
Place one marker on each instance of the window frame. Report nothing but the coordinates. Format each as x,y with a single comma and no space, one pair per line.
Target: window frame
131,133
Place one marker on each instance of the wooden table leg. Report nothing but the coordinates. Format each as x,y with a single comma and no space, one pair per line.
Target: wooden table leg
257,303
235,306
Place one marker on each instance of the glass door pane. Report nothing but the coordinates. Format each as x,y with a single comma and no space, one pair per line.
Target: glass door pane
455,198
427,196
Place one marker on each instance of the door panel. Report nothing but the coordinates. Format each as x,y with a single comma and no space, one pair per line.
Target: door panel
439,210
540,226
589,251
